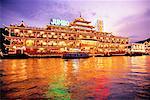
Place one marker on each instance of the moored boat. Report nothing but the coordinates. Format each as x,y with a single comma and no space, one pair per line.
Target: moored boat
75,55
15,56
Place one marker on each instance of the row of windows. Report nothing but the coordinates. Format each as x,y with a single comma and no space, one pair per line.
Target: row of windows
53,33
56,43
58,30
71,37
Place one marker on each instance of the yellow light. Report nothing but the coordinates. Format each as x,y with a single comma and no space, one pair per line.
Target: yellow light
44,43
87,36
49,36
42,32
62,49
29,31
52,33
55,36
30,42
41,49
14,47
44,35
49,43
16,30
63,34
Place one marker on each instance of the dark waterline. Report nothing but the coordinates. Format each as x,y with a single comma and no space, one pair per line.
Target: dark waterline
97,78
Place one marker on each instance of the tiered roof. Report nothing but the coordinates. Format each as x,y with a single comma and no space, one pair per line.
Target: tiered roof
82,23
80,19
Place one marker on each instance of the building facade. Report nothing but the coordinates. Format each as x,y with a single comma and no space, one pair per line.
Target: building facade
147,47
56,40
137,47
99,25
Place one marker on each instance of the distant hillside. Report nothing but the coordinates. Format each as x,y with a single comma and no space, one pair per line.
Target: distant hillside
144,41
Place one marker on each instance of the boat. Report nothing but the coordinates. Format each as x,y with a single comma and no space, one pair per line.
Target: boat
15,56
56,39
75,55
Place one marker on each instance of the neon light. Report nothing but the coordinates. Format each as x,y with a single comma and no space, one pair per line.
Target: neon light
59,22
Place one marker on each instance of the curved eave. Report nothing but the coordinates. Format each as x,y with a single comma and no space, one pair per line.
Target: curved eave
55,26
26,27
82,25
90,39
82,29
82,21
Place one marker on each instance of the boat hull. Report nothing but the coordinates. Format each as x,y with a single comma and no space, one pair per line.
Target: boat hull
75,55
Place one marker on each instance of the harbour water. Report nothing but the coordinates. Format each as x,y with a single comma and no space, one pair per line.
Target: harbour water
95,78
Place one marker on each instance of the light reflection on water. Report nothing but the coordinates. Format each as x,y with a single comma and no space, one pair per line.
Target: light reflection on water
94,78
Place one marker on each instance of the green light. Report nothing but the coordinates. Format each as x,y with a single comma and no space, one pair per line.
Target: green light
58,91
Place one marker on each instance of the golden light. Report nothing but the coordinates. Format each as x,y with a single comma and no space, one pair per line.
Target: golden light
44,35
44,43
42,32
29,31
95,37
41,49
55,36
65,37
49,43
80,36
63,34
29,42
21,34
52,33
87,36
62,49
54,43
16,30
14,47
62,43
49,36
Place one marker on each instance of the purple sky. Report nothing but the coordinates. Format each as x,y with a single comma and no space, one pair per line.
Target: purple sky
129,18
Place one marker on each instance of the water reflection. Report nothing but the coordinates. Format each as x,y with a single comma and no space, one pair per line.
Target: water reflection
76,79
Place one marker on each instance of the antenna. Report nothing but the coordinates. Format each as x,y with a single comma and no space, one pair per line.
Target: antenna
80,14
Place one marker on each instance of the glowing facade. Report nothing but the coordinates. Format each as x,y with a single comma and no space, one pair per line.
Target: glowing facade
100,26
56,40
137,47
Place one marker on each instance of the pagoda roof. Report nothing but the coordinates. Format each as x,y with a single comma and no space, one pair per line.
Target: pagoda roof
80,19
75,24
22,24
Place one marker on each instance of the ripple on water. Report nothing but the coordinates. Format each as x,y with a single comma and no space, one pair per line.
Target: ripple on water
114,78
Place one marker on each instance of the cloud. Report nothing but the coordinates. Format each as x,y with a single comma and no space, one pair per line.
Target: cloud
129,15
36,12
135,26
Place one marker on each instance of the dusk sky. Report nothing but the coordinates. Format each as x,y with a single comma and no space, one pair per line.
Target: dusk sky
129,18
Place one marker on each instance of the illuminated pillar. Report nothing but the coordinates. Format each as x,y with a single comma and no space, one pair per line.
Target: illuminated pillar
100,25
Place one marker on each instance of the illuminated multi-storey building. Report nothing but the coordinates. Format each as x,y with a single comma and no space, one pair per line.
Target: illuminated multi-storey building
136,48
56,39
147,47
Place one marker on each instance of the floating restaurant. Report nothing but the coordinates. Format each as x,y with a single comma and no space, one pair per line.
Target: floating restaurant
63,37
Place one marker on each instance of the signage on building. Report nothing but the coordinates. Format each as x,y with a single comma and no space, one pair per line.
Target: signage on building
59,22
